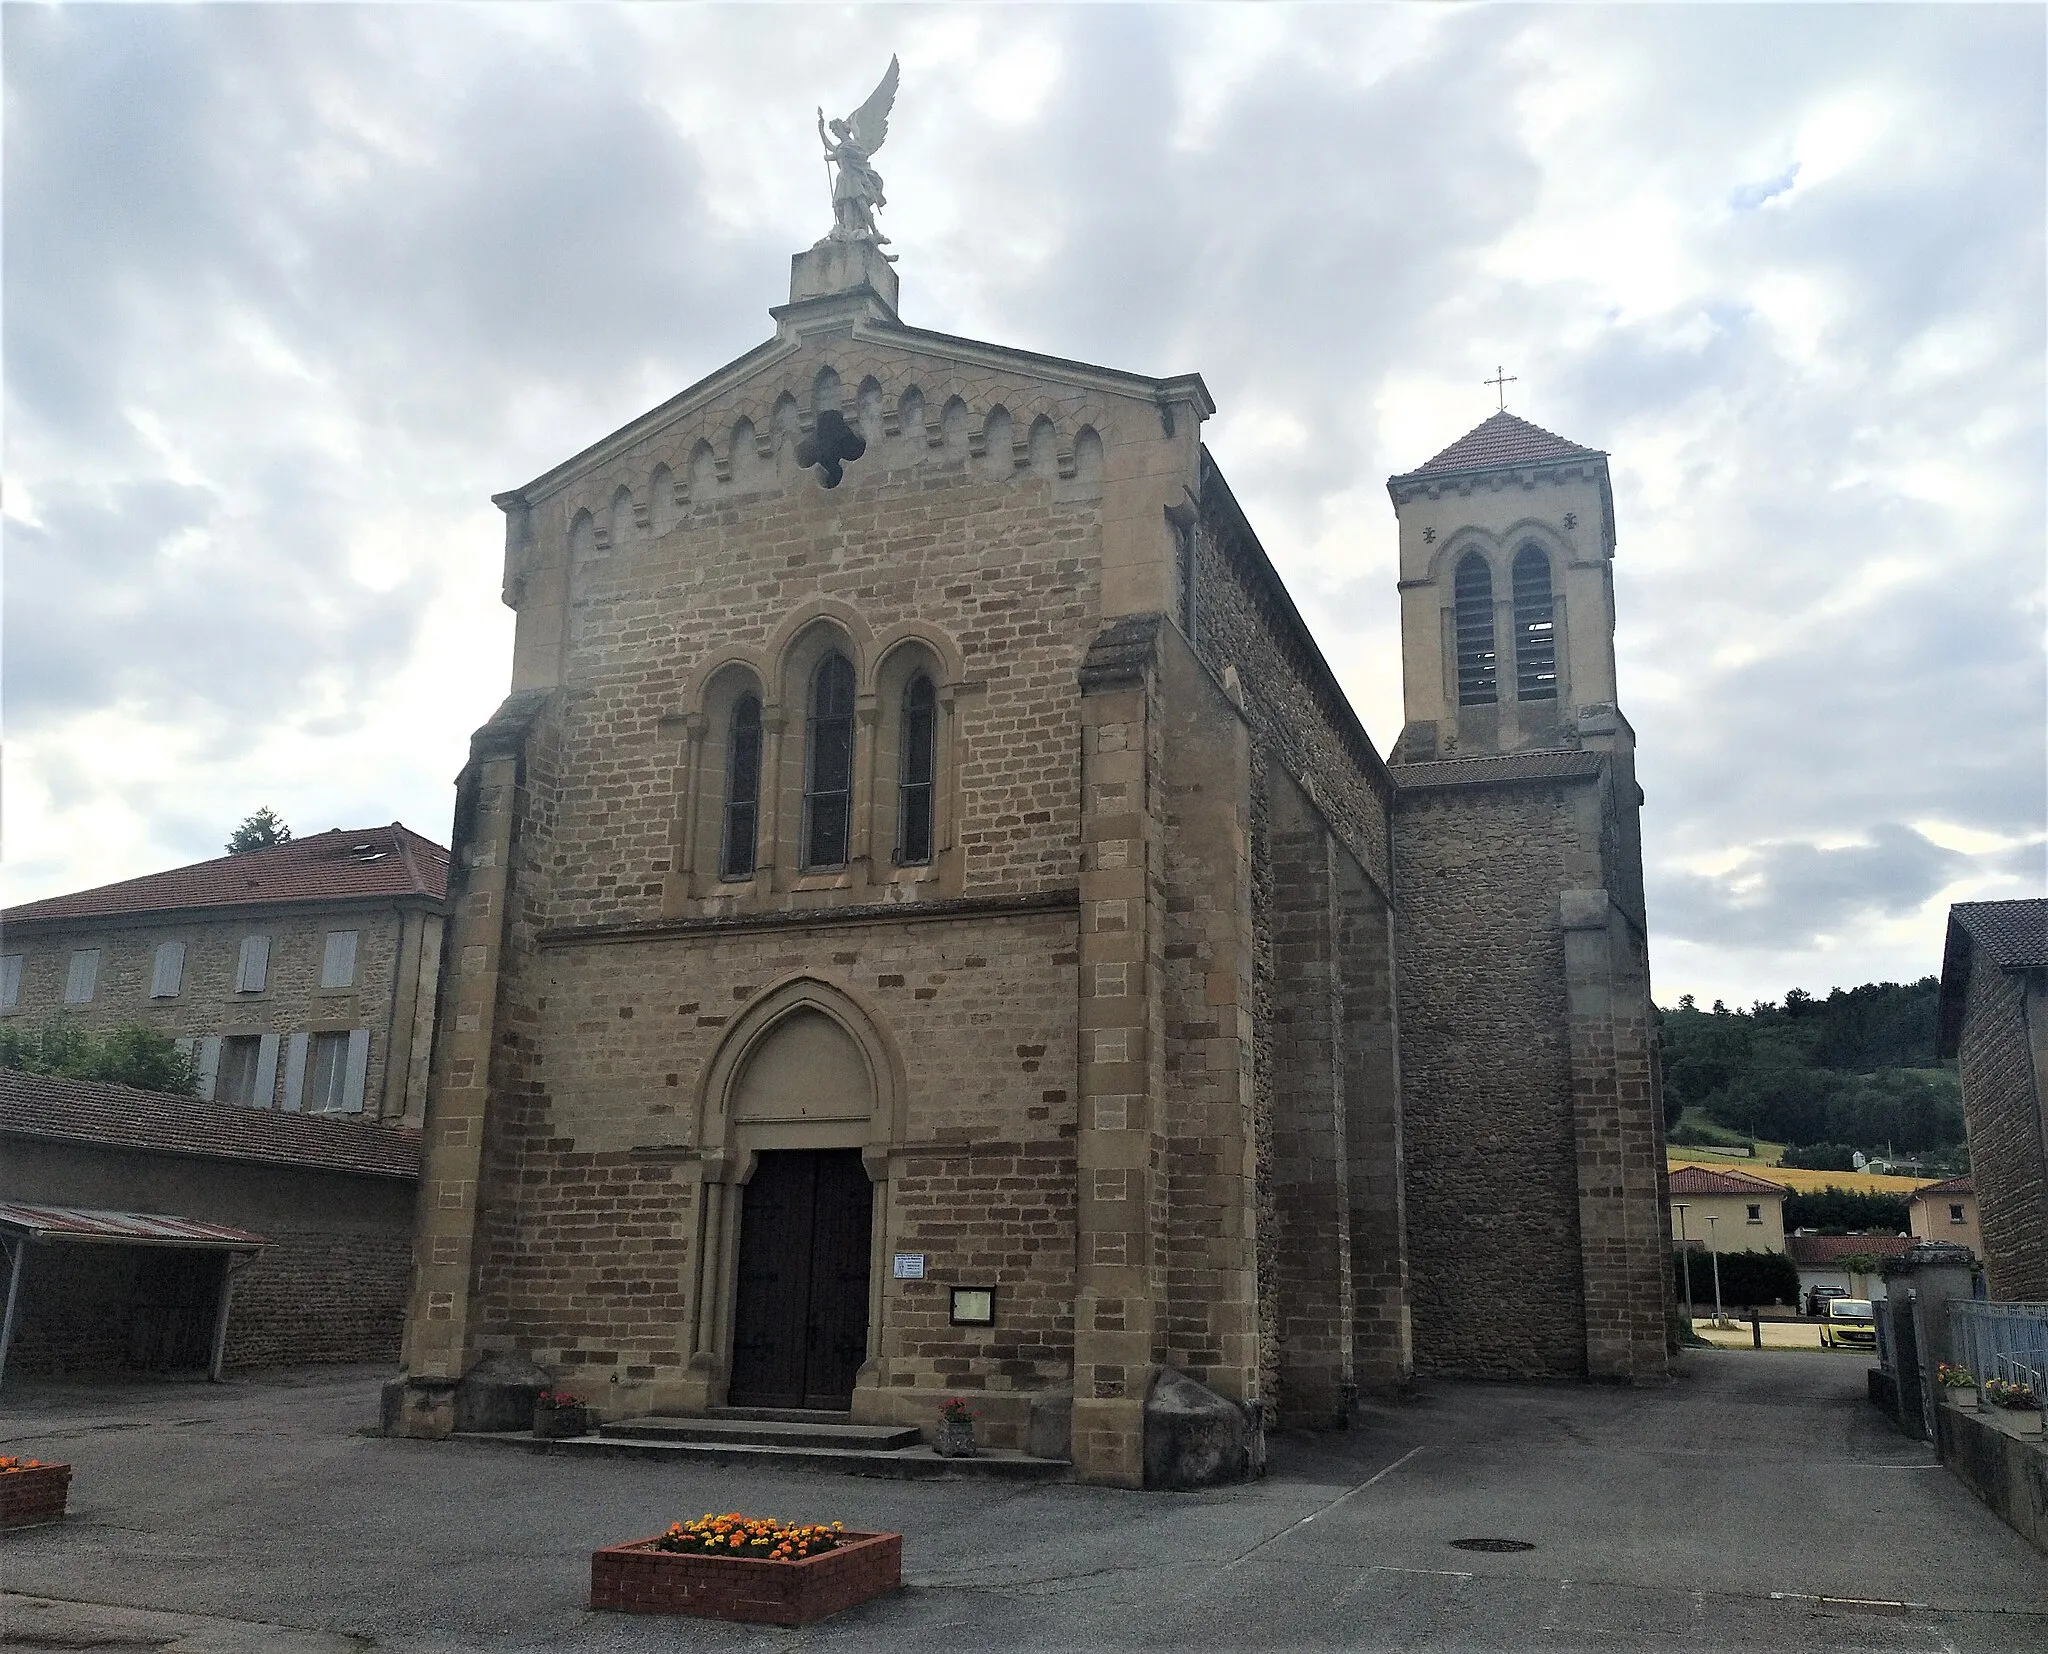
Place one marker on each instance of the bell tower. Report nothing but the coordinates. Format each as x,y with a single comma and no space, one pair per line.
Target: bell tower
1507,596
1528,1056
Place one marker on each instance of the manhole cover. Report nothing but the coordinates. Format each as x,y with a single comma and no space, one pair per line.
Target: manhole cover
1491,1545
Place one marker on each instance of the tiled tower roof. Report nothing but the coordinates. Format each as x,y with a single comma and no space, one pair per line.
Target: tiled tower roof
1500,440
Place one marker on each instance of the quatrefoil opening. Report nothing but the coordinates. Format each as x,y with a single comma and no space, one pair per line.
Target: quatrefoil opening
831,447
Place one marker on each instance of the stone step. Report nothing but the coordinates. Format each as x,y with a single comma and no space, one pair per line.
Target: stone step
723,1430
774,1415
902,1464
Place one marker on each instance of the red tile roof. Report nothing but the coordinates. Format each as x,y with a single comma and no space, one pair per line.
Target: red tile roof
1954,1186
346,864
1698,1180
1822,1251
119,1116
1502,440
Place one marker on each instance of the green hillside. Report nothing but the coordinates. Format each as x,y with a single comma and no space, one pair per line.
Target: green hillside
1855,1070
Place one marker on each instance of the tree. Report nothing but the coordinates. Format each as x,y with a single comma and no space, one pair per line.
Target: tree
259,832
128,1055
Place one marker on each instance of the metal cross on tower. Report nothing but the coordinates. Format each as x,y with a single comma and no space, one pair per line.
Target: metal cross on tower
1500,382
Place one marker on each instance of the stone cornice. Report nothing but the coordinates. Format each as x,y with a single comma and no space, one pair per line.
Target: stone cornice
1066,899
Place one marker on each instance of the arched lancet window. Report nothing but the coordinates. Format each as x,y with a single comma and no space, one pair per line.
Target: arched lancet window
742,790
828,768
1472,597
1535,628
917,771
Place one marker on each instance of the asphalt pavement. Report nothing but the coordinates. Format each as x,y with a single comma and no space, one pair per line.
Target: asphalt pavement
1758,1503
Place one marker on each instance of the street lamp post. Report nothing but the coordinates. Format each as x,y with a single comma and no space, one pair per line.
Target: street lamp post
1714,1246
1684,1260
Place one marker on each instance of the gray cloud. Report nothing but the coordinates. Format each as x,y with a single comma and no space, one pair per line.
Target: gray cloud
291,291
1794,895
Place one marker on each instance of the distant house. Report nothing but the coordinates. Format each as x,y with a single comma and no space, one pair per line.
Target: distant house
300,977
1849,1262
1731,1211
140,1231
1993,1014
1947,1212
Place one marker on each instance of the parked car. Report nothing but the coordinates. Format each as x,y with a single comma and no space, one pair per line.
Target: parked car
1848,1325
1817,1299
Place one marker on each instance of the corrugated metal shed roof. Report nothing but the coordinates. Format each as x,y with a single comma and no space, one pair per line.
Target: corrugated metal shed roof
79,1223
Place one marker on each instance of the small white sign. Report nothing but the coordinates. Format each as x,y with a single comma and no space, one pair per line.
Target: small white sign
909,1266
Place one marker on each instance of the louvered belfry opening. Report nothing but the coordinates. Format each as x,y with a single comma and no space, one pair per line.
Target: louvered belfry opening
1473,599
1535,628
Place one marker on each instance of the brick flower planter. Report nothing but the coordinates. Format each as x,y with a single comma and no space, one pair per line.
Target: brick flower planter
29,1498
634,1578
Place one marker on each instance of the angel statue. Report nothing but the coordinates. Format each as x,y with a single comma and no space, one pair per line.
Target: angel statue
857,188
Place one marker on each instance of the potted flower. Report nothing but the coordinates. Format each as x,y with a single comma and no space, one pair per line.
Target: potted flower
956,1430
2016,1397
1951,1377
32,1493
557,1415
735,1567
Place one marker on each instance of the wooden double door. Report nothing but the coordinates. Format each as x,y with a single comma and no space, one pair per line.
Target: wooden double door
800,1319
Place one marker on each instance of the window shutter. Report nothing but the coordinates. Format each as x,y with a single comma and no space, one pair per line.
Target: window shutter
358,1071
338,963
10,982
169,975
252,969
266,1073
209,1064
295,1073
84,977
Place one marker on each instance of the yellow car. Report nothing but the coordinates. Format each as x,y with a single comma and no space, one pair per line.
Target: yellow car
1848,1325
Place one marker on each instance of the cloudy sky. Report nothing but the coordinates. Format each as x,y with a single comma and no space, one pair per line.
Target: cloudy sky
289,292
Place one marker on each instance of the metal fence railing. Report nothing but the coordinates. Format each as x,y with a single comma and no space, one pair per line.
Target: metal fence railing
2007,1341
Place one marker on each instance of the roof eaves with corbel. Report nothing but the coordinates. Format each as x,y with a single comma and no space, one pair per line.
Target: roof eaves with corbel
1163,394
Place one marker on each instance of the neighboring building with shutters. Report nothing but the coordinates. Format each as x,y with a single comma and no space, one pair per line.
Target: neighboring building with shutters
1993,1015
301,977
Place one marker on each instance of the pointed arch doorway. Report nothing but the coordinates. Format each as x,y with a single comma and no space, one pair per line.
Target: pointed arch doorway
801,1101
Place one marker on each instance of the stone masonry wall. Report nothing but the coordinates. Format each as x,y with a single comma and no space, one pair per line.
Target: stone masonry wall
2002,1103
1486,1081
1238,624
1383,1357
292,1000
589,1266
314,1296
1211,1270
1310,1160
1003,561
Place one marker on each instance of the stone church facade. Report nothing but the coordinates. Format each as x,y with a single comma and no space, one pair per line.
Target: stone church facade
927,922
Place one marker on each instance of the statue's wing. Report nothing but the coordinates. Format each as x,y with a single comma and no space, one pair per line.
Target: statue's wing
870,122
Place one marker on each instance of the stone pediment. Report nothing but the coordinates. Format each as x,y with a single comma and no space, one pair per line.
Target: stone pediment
910,395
